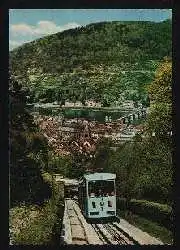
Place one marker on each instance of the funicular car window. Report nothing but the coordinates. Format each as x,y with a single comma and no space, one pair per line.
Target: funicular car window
101,188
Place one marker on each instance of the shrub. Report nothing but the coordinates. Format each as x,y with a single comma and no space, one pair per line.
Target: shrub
160,213
38,225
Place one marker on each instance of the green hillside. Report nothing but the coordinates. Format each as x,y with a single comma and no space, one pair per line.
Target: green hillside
108,62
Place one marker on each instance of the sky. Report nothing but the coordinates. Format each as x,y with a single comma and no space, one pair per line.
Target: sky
26,25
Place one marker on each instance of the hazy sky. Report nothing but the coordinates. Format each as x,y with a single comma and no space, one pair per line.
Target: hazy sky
26,25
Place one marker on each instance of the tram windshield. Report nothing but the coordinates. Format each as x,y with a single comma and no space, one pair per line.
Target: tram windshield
101,188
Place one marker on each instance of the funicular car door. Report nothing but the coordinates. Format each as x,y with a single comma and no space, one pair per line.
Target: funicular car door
107,199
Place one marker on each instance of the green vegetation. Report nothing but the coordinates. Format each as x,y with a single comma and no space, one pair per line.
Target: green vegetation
144,166
154,211
38,224
28,152
148,226
106,62
61,164
143,169
153,218
35,207
160,92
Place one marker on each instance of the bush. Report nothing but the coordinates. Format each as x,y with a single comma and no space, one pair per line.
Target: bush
34,225
50,180
160,213
38,225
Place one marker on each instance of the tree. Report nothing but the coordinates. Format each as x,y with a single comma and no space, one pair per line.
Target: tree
160,94
28,151
155,179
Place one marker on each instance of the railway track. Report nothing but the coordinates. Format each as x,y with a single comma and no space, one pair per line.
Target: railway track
110,234
83,233
76,230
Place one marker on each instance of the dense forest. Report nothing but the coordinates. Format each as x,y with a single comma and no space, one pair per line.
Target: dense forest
106,62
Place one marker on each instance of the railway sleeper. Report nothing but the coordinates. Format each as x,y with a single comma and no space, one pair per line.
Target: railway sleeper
79,242
126,234
118,236
106,235
79,239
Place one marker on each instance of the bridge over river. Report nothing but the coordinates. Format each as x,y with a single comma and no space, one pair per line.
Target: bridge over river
102,114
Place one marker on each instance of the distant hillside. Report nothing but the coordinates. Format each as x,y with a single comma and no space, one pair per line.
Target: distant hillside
107,62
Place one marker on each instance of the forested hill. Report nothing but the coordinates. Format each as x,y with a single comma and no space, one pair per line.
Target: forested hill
99,54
